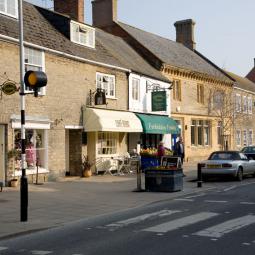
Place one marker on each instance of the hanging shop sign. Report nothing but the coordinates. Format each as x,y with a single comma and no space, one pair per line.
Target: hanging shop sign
9,87
158,101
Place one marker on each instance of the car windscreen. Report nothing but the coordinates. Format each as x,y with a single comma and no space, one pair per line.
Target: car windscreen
248,150
224,156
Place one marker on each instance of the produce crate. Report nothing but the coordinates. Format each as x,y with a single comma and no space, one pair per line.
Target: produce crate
163,180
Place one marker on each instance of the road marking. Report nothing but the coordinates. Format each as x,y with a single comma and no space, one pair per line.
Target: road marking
143,217
41,252
182,222
184,199
247,203
3,248
227,227
199,195
215,201
232,187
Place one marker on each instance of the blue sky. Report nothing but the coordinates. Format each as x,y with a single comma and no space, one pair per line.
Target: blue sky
224,30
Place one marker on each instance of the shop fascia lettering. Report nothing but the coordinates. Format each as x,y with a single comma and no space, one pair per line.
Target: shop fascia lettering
122,123
160,127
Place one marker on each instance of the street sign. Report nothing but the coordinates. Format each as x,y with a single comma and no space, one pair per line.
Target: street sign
9,87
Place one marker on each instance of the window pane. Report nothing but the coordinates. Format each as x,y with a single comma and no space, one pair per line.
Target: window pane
200,135
193,135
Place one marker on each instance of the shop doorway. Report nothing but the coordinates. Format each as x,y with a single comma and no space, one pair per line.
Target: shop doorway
2,153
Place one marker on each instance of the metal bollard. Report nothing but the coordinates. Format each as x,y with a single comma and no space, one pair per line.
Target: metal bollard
139,176
199,176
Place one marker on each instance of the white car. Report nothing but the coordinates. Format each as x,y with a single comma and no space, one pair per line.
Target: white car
231,163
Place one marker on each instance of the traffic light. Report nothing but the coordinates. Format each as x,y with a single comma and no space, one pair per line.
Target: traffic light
35,80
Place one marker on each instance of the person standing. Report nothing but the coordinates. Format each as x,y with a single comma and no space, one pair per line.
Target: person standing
160,151
179,149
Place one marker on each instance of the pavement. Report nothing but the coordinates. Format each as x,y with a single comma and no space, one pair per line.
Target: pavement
70,199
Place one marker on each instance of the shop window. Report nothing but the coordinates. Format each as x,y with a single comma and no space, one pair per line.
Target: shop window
135,89
177,90
36,149
106,82
107,143
200,132
9,7
150,140
34,60
83,34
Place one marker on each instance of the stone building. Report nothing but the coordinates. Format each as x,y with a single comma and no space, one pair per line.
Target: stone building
77,63
191,73
251,74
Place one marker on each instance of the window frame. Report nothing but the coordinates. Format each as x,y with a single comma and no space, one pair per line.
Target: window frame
84,30
135,90
201,129
15,8
245,137
238,137
249,100
35,67
250,137
200,93
177,91
108,142
106,84
245,104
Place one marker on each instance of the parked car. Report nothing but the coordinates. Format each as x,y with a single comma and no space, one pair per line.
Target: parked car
231,163
249,151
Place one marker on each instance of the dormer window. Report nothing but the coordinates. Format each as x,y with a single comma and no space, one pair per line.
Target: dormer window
9,7
82,34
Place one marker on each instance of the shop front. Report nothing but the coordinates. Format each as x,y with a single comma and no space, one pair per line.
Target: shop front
107,135
156,128
36,133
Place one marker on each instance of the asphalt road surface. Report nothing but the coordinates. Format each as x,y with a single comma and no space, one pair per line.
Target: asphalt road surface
218,221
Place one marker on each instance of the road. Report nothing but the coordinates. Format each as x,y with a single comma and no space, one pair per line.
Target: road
217,221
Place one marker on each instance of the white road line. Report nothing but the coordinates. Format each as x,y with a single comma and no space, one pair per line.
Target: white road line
143,217
3,248
227,189
215,201
227,227
41,252
184,199
182,222
199,195
247,203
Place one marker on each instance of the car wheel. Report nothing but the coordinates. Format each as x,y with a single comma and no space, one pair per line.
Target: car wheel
239,175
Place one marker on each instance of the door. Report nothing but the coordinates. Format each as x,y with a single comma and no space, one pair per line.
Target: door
2,154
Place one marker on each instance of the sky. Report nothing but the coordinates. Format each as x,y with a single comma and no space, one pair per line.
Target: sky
224,30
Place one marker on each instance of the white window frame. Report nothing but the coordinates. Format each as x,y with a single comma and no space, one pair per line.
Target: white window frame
135,89
238,103
245,140
238,137
5,11
202,125
102,82
245,105
250,137
34,66
83,32
250,105
109,145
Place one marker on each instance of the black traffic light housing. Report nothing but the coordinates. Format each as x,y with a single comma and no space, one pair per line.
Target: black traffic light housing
35,80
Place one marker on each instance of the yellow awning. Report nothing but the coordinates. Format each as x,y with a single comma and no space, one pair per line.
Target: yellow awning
109,120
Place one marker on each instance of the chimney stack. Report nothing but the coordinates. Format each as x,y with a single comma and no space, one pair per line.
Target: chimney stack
185,33
72,8
104,12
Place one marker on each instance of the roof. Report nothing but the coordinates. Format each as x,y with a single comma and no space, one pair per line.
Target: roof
174,53
44,28
251,75
243,83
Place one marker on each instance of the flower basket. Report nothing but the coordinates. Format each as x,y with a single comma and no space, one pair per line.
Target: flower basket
86,167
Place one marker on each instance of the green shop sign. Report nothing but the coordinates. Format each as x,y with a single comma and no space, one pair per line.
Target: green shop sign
158,101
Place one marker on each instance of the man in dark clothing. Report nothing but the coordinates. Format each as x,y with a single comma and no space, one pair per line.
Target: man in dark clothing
179,149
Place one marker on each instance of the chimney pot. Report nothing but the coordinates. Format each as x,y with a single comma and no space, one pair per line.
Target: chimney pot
185,33
72,8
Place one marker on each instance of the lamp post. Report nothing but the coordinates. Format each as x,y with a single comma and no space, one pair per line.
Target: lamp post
23,180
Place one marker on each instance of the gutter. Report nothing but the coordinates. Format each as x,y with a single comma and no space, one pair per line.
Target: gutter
11,39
